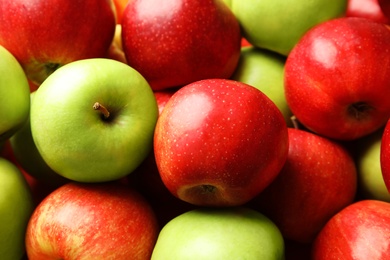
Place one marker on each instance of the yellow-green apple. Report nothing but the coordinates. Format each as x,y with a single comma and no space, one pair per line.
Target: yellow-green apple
93,120
318,179
334,82
360,231
92,221
28,157
264,70
14,93
385,155
219,142
16,207
369,9
44,35
277,25
226,233
176,42
367,157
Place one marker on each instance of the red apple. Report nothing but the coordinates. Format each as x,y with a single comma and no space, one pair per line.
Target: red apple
318,179
360,231
92,221
385,5
44,35
337,78
385,155
367,9
162,97
219,142
176,42
120,6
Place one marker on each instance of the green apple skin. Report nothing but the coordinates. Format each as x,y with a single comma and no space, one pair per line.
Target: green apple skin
14,93
29,158
75,139
371,183
264,70
16,207
277,25
219,233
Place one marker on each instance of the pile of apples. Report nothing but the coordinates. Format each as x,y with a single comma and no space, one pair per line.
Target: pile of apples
188,129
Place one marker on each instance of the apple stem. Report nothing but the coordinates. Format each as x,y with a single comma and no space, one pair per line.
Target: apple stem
102,109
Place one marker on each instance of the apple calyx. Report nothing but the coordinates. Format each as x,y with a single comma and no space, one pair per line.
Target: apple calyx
102,109
359,110
38,72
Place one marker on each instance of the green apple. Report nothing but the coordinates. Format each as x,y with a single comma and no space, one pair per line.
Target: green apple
219,233
371,183
264,70
14,93
16,207
278,25
93,120
29,158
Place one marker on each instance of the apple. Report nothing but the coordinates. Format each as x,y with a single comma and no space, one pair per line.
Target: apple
28,157
278,25
318,179
16,207
92,221
14,93
264,70
367,157
162,98
385,6
219,142
120,6
226,233
334,84
369,9
115,51
360,231
93,120
385,155
44,35
176,42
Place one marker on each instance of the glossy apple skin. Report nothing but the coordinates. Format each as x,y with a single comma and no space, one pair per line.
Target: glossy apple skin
318,179
227,233
369,9
46,34
385,155
14,92
331,75
360,231
16,207
176,42
92,221
219,142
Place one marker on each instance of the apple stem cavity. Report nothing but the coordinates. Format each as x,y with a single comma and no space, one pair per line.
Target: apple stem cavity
359,110
102,109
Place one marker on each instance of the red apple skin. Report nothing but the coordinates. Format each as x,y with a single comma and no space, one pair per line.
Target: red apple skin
337,79
369,9
43,35
92,221
176,42
219,143
385,155
360,231
318,179
162,98
385,5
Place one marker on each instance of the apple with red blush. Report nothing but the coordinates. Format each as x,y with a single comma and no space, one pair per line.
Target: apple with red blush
369,9
219,142
385,5
385,155
360,231
92,221
318,179
44,35
337,78
176,42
